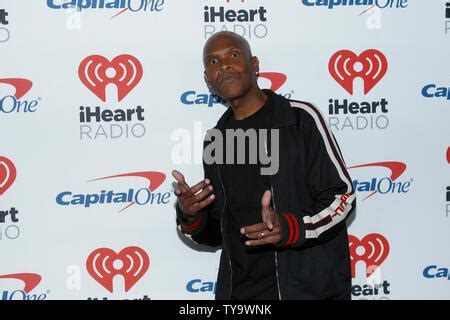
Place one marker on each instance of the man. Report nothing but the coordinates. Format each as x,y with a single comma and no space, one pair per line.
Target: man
283,234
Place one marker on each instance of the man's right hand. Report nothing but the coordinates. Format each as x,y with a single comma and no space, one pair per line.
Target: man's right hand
192,200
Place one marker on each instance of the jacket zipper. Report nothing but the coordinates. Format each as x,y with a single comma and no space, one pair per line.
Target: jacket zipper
221,228
274,208
276,253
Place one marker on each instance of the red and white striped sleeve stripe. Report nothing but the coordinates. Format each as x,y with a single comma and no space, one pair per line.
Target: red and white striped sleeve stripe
339,208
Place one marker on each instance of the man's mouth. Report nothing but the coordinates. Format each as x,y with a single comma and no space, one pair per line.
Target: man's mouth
227,78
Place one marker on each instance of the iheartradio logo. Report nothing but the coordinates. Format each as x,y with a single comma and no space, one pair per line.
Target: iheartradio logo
102,265
373,249
96,72
7,174
371,66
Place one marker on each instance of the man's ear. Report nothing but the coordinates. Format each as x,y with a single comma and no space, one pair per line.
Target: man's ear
255,64
205,76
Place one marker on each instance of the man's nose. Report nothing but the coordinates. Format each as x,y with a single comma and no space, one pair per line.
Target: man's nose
226,66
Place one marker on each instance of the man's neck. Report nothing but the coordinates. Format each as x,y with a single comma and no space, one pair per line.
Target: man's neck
248,104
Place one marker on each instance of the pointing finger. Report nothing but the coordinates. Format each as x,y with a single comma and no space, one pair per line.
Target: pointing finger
265,201
266,210
181,181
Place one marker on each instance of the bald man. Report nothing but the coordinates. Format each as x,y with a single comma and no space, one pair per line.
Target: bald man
277,200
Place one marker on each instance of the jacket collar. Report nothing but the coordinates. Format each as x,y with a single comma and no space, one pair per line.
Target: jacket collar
282,114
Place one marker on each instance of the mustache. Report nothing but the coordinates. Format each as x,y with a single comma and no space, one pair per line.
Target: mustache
226,75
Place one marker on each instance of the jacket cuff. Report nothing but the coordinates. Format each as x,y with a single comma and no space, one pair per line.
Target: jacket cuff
192,226
293,231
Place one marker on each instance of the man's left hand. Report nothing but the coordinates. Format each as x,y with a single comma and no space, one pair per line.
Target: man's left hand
267,232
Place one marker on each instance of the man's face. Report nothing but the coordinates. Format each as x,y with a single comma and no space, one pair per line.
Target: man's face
229,69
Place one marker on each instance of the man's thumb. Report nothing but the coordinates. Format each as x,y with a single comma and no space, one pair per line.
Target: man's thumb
265,209
265,202
178,176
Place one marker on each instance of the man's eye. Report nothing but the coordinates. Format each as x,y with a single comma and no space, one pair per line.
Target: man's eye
235,54
213,61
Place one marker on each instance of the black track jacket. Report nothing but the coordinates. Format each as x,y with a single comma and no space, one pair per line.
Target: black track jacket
313,195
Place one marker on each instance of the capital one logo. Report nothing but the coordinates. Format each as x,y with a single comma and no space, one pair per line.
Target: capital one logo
7,174
385,185
126,6
131,197
104,264
96,72
371,66
373,250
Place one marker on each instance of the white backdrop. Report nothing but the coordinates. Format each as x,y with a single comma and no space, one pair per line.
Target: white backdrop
50,236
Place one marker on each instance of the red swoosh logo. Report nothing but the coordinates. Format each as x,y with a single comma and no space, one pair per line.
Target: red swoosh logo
370,8
396,168
119,13
22,86
31,280
276,79
155,179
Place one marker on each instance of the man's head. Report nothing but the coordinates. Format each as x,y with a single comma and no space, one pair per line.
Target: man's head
230,69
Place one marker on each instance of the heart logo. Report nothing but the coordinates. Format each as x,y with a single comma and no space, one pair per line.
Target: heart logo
371,65
96,72
134,264
374,250
7,174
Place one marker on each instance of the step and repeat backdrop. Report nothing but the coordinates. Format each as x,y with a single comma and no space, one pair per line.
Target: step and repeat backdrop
101,99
